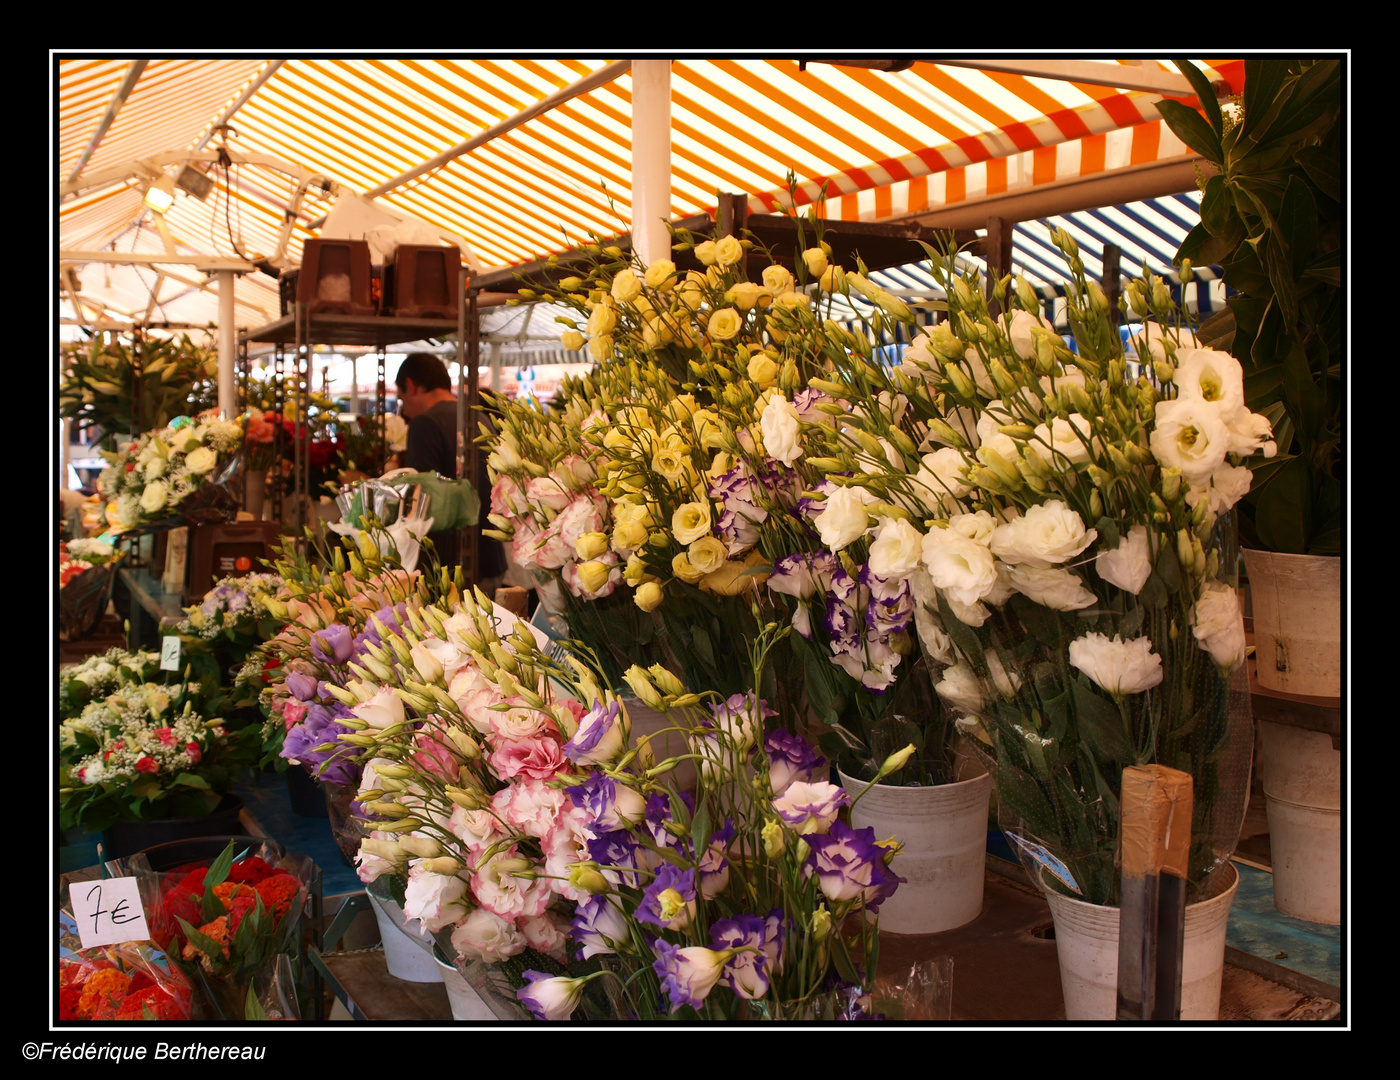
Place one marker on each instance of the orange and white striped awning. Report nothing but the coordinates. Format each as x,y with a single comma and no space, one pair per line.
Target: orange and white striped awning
884,143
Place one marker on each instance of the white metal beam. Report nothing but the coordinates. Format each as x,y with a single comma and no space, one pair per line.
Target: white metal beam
224,117
146,258
1097,72
118,99
153,166
651,159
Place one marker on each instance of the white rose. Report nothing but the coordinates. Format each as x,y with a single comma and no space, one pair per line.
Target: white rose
962,568
1118,666
435,900
1046,534
979,526
989,438
484,935
1212,377
941,475
202,460
845,519
1130,563
154,468
960,688
1060,590
1228,485
153,498
1218,625
895,551
781,429
381,711
1190,435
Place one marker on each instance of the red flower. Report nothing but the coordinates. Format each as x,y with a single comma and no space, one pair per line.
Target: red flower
250,871
147,764
131,466
278,892
165,735
194,752
68,1002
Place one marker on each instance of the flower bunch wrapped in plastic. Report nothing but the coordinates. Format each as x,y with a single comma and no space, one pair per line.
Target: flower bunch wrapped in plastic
131,981
1065,537
520,821
155,476
236,608
144,750
75,556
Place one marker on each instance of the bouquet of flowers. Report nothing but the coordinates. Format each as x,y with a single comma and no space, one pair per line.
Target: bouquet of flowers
700,453
227,924
259,436
87,570
143,750
185,468
99,676
131,981
219,633
1068,545
364,454
518,822
110,385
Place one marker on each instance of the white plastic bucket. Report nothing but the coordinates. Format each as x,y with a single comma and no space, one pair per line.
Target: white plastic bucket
942,831
1305,847
466,1005
405,957
1297,602
1086,938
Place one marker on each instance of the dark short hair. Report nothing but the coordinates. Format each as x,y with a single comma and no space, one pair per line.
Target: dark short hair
427,371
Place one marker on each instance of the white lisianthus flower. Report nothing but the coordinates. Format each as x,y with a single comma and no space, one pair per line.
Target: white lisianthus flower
1022,340
963,568
1150,341
396,429
932,636
1218,625
381,711
1190,435
1065,437
153,497
960,688
979,526
895,551
781,430
1228,485
1249,432
1046,534
1210,376
625,286
1118,666
845,518
1129,564
690,522
1060,590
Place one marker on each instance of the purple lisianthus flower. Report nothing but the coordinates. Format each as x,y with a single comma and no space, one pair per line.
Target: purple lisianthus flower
806,402
850,866
550,997
792,576
391,617
714,867
658,814
740,717
790,757
669,901
687,975
302,687
318,727
810,807
610,804
885,590
238,601
747,972
598,926
333,645
599,736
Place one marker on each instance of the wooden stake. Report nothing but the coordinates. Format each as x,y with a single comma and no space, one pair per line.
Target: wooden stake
1154,838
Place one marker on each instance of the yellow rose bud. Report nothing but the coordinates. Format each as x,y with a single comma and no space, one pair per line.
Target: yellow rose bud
600,348
649,596
447,866
728,251
625,286
706,555
587,877
682,567
422,847
705,252
815,260
724,324
745,295
774,840
762,370
778,279
571,340
661,275
590,545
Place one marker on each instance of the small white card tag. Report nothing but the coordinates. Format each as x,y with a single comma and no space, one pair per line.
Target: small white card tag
108,912
170,653
505,621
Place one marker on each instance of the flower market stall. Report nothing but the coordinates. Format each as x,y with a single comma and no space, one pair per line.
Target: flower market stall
874,641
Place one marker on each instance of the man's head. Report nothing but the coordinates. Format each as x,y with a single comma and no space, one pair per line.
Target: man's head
422,381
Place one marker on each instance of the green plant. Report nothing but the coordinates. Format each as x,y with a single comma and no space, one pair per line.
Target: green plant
129,388
1271,218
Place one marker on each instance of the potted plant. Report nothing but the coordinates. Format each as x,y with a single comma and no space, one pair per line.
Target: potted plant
1271,217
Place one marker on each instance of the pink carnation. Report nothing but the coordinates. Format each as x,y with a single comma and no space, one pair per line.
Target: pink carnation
540,758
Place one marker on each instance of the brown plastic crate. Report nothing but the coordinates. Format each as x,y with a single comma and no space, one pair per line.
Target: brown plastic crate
322,261
425,281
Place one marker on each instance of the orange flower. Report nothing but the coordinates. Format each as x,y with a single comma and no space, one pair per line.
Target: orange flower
100,987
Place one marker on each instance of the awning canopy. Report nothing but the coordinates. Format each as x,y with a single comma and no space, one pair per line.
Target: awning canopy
884,144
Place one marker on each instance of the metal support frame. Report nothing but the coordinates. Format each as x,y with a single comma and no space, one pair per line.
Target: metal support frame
1000,232
381,406
1112,279
301,461
279,401
731,218
469,379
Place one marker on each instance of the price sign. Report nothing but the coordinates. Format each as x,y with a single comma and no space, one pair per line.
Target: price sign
170,654
108,912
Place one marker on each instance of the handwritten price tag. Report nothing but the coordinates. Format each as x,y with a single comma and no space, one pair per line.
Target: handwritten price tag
170,653
108,912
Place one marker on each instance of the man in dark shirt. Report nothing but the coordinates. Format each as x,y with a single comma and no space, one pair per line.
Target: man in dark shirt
428,403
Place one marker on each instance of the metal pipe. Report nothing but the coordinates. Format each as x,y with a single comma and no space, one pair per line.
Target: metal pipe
605,74
242,99
128,85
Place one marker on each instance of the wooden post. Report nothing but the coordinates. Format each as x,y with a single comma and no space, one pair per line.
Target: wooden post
1154,842
998,251
731,218
1112,258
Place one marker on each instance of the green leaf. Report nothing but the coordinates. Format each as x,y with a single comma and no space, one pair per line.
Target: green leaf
1264,77
1301,393
1297,220
253,1010
1283,511
188,779
1100,725
1270,342
1279,264
1217,210
202,942
1189,126
1205,94
1168,569
1020,792
211,906
700,830
1324,168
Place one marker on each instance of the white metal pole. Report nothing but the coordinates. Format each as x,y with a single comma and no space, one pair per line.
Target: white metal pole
651,159
495,367
227,399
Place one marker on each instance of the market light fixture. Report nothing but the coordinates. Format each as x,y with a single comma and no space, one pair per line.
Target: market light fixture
160,196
